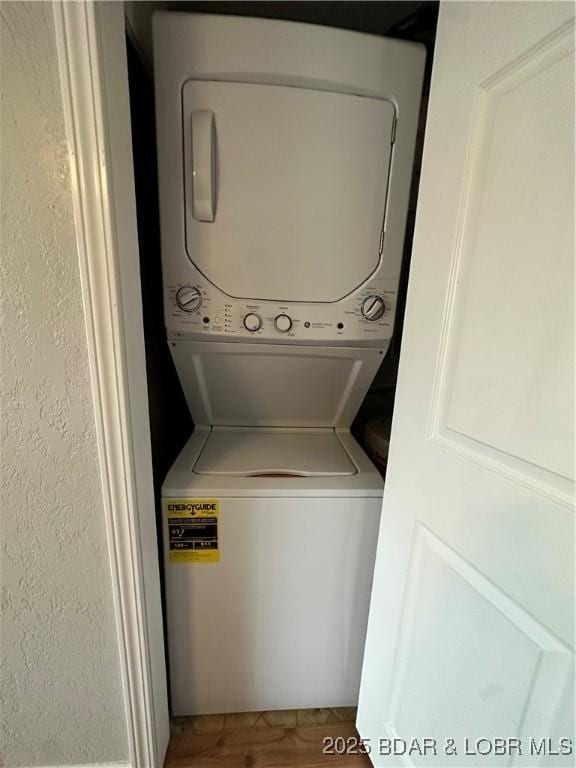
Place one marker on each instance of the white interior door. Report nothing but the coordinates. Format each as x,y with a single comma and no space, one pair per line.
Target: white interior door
471,625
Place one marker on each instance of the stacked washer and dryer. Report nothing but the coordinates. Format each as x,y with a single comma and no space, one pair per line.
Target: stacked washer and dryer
285,161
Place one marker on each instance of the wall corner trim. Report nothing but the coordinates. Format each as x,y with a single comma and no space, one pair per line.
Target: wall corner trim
91,57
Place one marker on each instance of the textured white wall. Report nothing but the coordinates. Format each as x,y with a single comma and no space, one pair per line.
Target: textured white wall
60,686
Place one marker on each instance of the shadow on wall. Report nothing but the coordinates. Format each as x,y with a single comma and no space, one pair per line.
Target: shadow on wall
170,422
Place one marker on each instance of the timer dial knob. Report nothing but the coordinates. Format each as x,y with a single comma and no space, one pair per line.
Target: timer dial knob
189,298
252,322
373,308
283,323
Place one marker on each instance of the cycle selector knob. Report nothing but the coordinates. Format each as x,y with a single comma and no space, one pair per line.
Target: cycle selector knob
189,298
373,308
252,322
283,323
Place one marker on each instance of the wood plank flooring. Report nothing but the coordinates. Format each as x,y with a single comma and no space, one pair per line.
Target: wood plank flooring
280,739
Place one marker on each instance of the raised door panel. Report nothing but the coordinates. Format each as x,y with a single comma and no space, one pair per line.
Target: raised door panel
507,381
501,672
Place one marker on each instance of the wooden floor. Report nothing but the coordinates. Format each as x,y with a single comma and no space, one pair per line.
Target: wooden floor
282,739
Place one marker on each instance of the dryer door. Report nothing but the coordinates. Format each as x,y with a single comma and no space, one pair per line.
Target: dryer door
285,188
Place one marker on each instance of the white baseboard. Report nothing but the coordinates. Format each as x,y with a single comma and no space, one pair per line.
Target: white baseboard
86,765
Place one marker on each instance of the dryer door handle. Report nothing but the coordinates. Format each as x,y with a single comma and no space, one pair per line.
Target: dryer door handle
203,165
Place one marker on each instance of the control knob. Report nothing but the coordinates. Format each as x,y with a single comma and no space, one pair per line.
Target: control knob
283,323
189,298
252,322
373,308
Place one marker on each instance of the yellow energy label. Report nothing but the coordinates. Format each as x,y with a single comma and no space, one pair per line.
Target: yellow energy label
193,530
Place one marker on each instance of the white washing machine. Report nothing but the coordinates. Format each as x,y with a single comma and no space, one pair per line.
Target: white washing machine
276,620
285,158
270,531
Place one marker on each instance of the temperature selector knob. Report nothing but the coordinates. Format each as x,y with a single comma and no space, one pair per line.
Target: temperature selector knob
188,298
252,322
283,323
373,308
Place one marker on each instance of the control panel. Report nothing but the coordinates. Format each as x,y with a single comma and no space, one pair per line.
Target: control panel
196,309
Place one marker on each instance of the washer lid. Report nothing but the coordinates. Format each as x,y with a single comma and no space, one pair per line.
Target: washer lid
273,452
